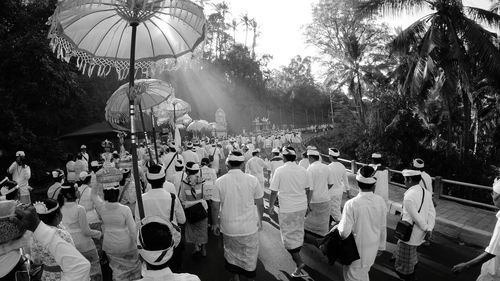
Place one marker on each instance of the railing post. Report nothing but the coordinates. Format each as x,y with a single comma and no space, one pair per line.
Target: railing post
354,169
438,186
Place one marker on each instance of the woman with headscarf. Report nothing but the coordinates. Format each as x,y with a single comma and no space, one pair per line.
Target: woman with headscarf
70,168
57,177
119,232
191,194
50,213
75,221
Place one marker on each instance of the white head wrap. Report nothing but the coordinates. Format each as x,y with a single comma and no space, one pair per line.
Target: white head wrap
233,157
111,186
286,151
312,152
20,153
368,180
410,173
157,257
275,150
333,152
195,167
156,176
83,175
496,185
418,163
376,155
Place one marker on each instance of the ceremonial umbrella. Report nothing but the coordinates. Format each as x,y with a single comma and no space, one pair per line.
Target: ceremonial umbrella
146,94
172,108
103,34
198,125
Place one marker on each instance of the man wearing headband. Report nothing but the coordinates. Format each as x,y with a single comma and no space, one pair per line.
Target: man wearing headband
418,164
490,258
365,216
291,184
189,155
21,173
318,219
340,184
156,240
9,190
276,161
158,202
238,198
255,167
418,210
73,265
382,176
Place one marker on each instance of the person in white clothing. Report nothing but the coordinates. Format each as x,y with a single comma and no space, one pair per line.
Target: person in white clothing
304,162
158,202
178,176
157,239
382,176
365,216
418,164
57,181
189,155
21,173
276,161
85,155
255,167
73,265
168,161
318,219
340,184
291,184
217,155
238,199
418,210
490,258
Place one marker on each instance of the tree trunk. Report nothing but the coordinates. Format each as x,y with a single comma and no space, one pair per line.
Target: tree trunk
361,110
466,135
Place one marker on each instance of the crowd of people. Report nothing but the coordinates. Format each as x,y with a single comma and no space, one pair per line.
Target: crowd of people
90,218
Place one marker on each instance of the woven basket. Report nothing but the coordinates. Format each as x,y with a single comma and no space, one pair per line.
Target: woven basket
109,175
8,230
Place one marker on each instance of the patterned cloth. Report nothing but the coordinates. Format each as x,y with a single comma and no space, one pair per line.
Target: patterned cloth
318,220
292,229
95,265
241,252
41,255
197,233
125,266
406,258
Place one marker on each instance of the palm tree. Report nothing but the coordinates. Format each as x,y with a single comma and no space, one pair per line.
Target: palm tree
254,26
449,43
233,25
246,21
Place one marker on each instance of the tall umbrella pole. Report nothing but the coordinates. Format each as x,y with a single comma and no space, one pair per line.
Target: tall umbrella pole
133,148
154,137
145,131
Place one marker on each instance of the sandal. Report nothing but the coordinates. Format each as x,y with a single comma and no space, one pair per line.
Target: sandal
299,275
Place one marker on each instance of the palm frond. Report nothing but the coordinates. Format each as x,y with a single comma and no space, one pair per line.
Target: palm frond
411,35
481,47
391,7
484,16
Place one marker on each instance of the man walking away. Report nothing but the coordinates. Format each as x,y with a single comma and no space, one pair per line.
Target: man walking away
365,216
340,184
382,176
318,220
291,183
238,198
419,211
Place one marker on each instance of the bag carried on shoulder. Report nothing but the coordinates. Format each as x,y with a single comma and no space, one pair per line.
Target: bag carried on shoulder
404,229
196,212
211,157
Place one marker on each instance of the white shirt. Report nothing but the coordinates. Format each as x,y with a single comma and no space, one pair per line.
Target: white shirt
321,178
304,163
291,181
237,191
382,185
166,274
366,217
424,220
209,176
275,164
157,202
255,167
166,160
74,266
176,180
492,267
86,201
21,175
340,181
190,156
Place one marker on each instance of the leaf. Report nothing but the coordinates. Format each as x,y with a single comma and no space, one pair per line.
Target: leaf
411,35
484,16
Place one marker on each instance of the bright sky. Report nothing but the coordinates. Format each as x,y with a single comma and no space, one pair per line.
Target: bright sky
281,25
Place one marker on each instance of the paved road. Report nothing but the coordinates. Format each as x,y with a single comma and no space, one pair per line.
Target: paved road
276,264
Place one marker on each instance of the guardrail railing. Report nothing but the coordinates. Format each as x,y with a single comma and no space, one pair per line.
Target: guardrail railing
441,187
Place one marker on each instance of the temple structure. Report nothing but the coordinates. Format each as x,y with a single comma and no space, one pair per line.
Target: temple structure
261,124
220,128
